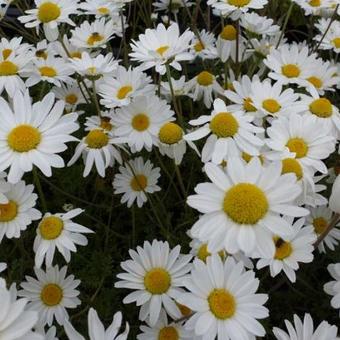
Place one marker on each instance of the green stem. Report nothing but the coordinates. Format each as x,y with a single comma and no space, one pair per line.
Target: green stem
290,9
180,180
40,190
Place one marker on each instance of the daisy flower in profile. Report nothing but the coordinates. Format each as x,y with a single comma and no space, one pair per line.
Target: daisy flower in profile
273,100
93,35
124,86
58,231
203,86
230,134
19,211
178,86
289,64
50,13
34,134
51,294
100,8
226,43
301,330
160,46
205,46
259,25
70,94
332,287
94,67
53,70
96,328
319,218
241,208
155,273
98,149
135,180
220,295
304,138
288,254
163,330
172,143
16,322
138,123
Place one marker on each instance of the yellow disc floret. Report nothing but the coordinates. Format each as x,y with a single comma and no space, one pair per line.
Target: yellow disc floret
8,211
51,295
94,38
320,224
71,99
224,125
271,105
315,81
299,146
248,105
245,203
315,3
291,165
321,107
105,123
139,182
51,227
7,68
170,133
48,11
103,10
162,49
205,78
168,333
47,71
222,304
291,70
238,3
336,42
96,139
124,91
283,249
229,33
157,281
140,122
24,138
6,53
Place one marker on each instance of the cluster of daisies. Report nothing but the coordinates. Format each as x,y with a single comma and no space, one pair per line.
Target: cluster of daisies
257,112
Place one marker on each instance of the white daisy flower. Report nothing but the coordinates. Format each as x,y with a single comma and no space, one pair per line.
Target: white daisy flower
178,85
331,41
44,49
226,43
58,231
155,273
16,322
70,94
289,253
230,134
51,294
135,180
305,330
4,187
96,328
304,138
160,46
100,8
68,50
50,13
138,123
172,143
220,294
242,207
312,7
125,85
99,149
320,217
33,135
19,211
205,46
265,45
203,86
93,35
332,287
257,24
104,123
53,70
172,5
13,47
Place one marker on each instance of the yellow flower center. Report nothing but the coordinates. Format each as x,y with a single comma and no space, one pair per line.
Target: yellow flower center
75,55
320,224
48,11
222,304
51,295
283,249
47,71
199,47
41,54
92,71
228,33
299,146
24,138
291,70
168,333
315,3
51,227
291,165
170,133
321,107
162,49
105,124
96,139
157,281
94,38
71,99
6,53
203,253
245,203
316,82
103,10
239,3
248,105
224,125
271,105
140,122
336,42
185,311
8,211
205,78
124,91
7,68
139,182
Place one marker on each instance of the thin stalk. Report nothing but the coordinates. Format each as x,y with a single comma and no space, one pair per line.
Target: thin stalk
290,9
40,190
95,97
180,180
